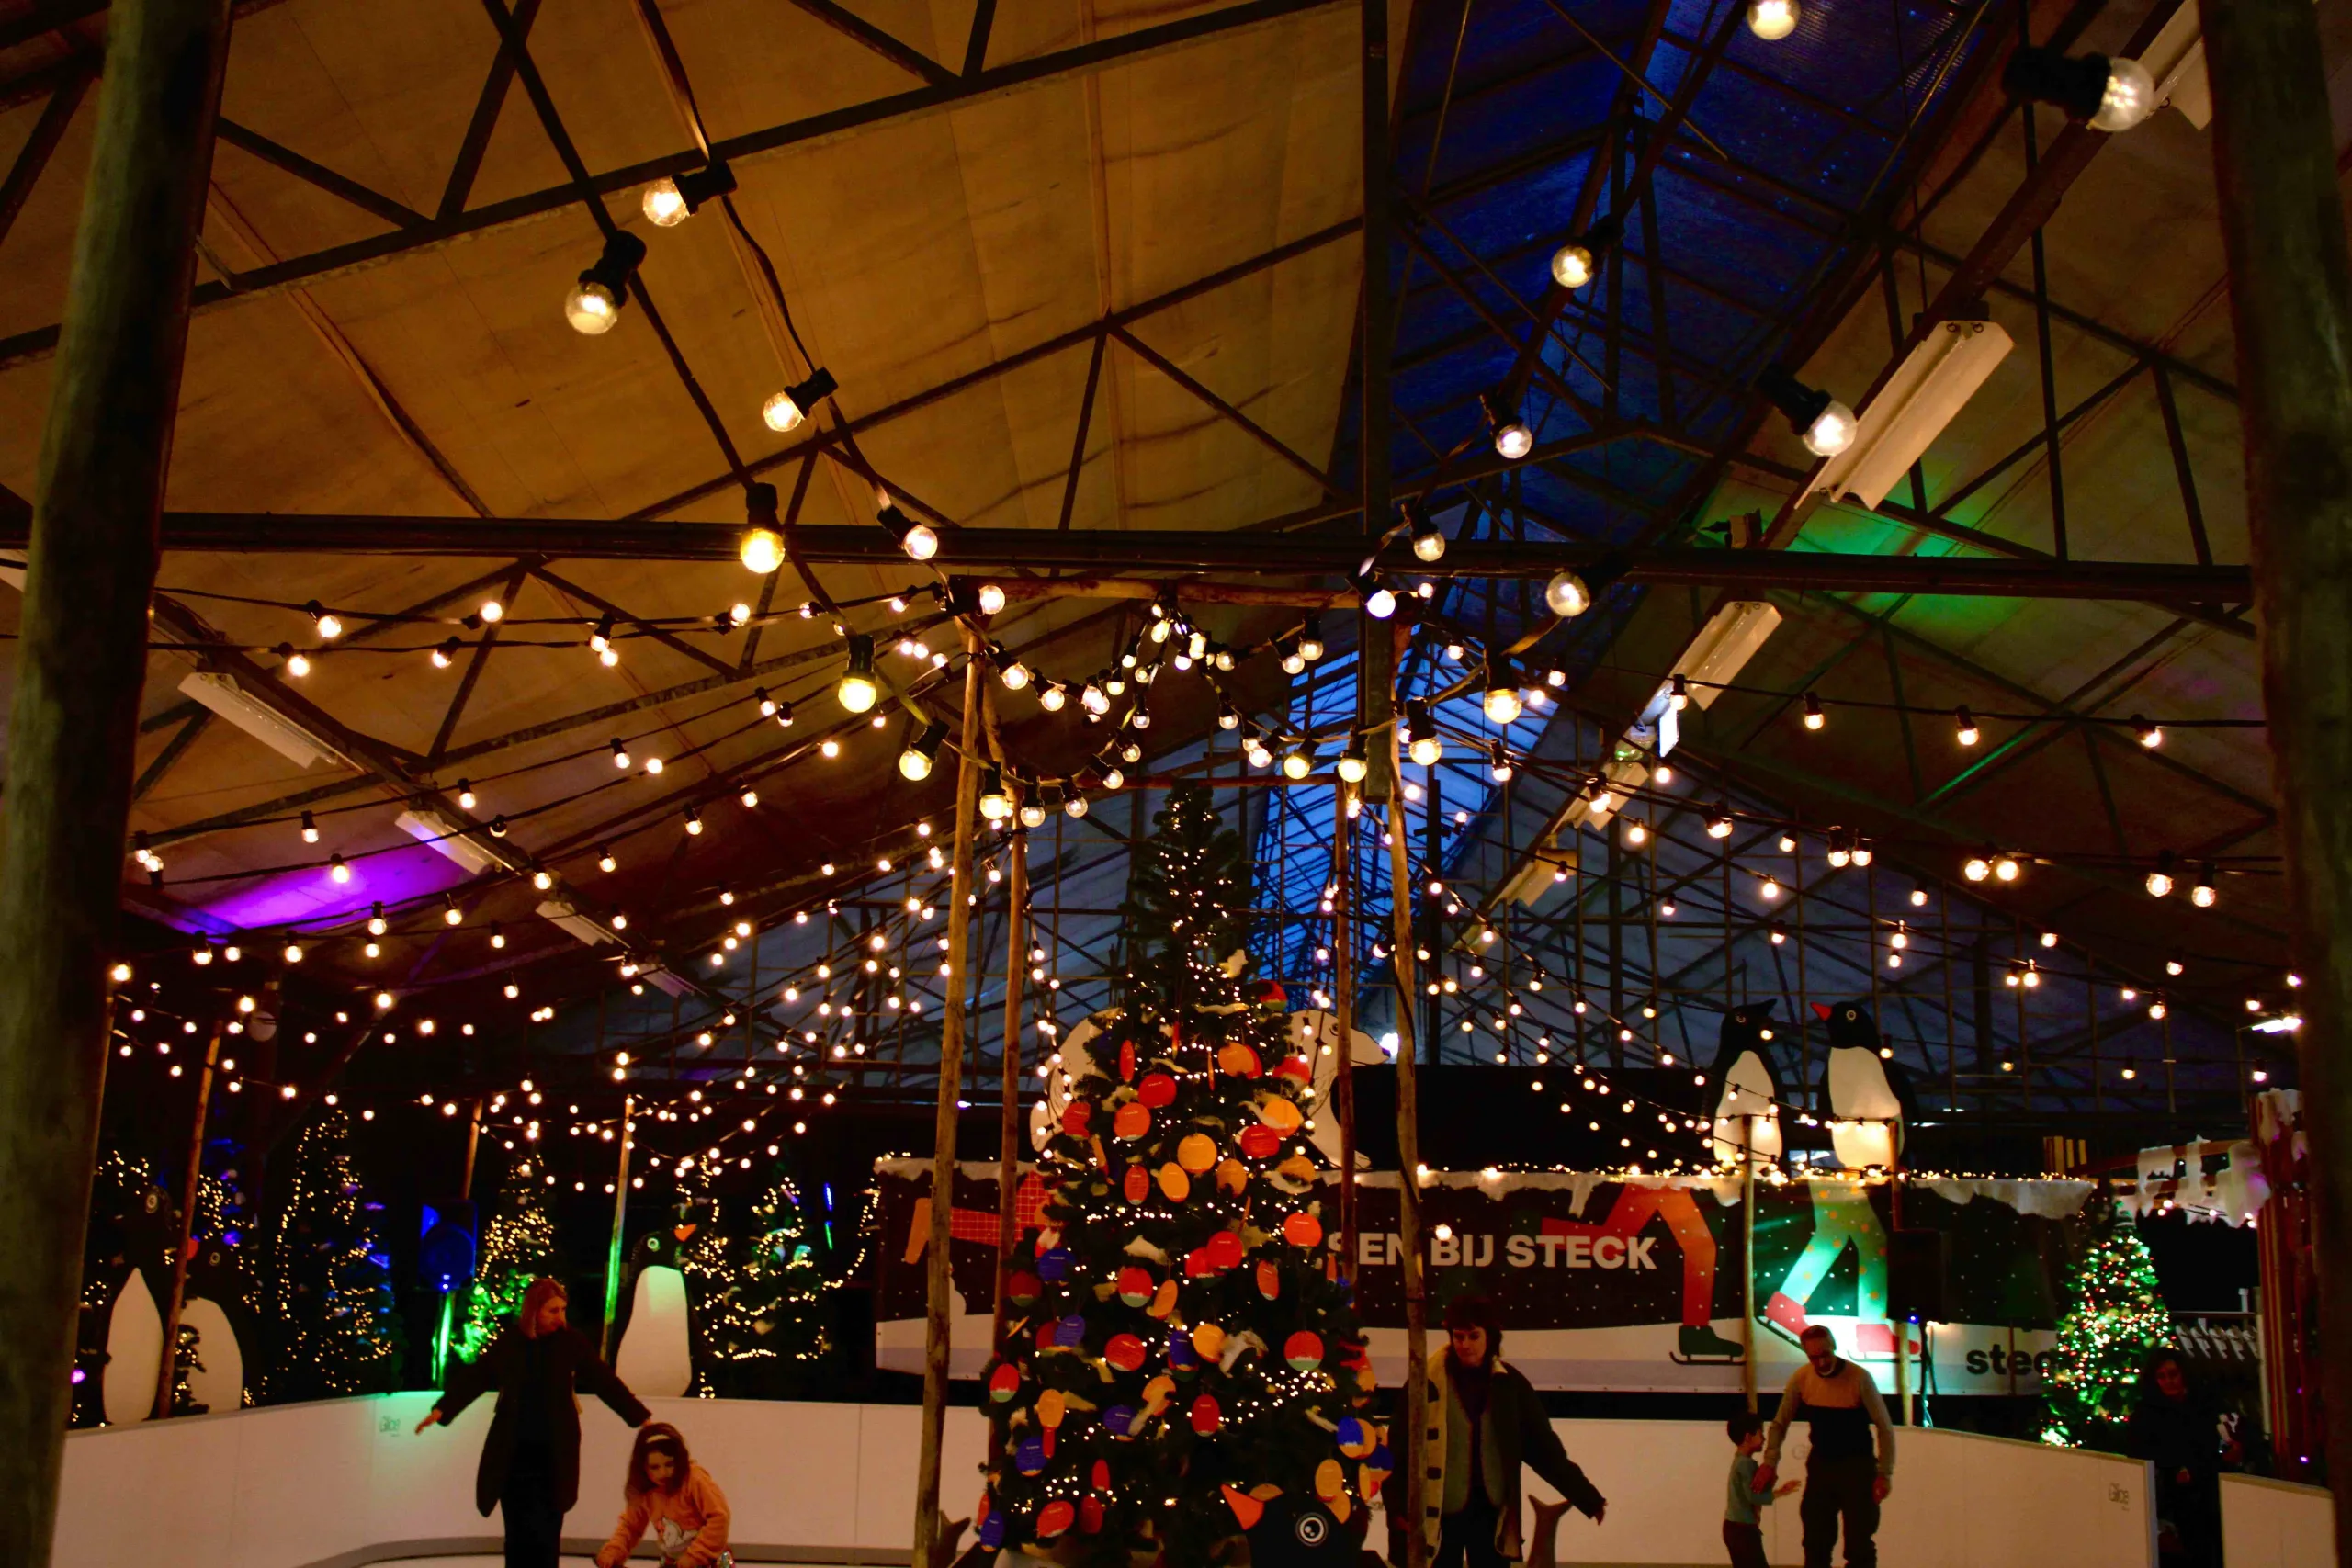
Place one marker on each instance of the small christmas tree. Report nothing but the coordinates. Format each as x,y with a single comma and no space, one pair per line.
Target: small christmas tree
1180,1348
2114,1316
714,1320
517,1247
328,1284
777,1303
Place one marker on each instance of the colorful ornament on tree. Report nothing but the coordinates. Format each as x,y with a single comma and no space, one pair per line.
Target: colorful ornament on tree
1304,1351
1131,1120
1156,1090
1124,1353
1206,1415
1196,1153
1004,1382
1303,1229
1239,1060
1261,1142
1173,1183
1134,1286
1136,1184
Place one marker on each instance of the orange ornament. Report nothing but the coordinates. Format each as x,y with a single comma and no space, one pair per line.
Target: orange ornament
1269,1279
1196,1152
1136,1184
1164,1302
1303,1229
1232,1175
1238,1060
1175,1183
1276,1112
1133,1121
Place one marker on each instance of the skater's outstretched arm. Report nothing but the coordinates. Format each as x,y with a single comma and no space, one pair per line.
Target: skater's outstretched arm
593,1374
1548,1458
468,1381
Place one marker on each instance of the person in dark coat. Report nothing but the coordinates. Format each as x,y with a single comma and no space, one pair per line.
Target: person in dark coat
530,1462
1485,1422
2178,1432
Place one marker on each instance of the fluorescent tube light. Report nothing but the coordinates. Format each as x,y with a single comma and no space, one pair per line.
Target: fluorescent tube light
1896,426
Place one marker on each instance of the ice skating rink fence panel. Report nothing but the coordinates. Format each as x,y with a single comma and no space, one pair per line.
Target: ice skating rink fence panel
345,1482
2275,1524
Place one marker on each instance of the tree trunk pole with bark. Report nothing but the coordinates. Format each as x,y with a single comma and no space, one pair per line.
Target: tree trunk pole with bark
2283,221
81,661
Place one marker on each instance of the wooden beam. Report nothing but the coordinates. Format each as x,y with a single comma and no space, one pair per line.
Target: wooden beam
34,155
2290,297
80,666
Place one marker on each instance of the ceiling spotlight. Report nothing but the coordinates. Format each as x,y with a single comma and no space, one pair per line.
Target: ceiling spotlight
1513,440
669,202
596,301
2111,95
915,762
1772,20
1827,425
858,690
783,411
1572,265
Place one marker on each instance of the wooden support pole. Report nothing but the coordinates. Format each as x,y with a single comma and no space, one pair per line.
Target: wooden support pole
940,1291
177,1299
619,1237
1008,1153
1408,1193
1747,1246
2291,296
81,661
1343,997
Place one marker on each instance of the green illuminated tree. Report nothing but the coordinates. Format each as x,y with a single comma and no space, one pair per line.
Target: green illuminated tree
778,1298
2114,1316
517,1247
326,1280
715,1318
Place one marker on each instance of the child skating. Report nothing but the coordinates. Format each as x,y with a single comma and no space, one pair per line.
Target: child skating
1743,1534
675,1499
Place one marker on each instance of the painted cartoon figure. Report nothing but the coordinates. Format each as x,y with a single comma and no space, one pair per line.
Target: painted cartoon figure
1868,1099
1744,1089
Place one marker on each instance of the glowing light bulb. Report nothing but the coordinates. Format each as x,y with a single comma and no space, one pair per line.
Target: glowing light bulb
665,208
1567,597
493,610
297,665
1502,705
1427,750
1772,20
2128,98
342,872
1380,603
1572,265
1965,730
761,550
1297,763
1015,676
592,309
990,598
1052,696
920,541
1832,430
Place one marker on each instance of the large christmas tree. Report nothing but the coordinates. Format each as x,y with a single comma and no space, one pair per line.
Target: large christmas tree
777,1304
2114,1316
1180,1359
327,1281
517,1247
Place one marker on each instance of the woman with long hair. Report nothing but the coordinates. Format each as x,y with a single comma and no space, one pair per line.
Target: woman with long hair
671,1495
530,1461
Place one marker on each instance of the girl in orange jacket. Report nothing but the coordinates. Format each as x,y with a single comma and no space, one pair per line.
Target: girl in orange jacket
674,1498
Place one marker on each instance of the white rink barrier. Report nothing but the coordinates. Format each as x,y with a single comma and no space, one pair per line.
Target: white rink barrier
2275,1524
342,1483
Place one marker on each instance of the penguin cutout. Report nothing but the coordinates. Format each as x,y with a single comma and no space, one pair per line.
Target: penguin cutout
656,1353
1869,1097
1744,1088
218,1291
1315,1036
134,1351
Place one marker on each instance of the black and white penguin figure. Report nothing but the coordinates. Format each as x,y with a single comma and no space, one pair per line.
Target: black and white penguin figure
1742,1087
1869,1097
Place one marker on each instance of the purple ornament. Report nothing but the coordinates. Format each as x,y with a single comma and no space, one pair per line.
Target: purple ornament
1029,1459
992,1530
1053,1264
1070,1332
1181,1356
1118,1419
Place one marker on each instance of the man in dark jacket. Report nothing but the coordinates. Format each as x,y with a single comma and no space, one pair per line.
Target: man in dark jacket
1484,1421
2179,1433
530,1462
